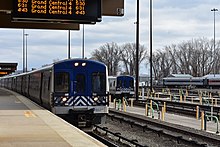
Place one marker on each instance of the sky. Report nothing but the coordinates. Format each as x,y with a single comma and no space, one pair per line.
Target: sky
174,21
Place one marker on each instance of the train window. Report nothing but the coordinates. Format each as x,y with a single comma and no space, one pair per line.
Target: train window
98,82
119,83
48,86
131,83
80,83
123,83
61,82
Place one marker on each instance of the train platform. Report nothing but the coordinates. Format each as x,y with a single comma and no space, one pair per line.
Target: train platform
24,123
174,119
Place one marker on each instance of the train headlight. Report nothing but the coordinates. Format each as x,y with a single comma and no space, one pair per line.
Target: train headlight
83,64
64,99
96,99
76,64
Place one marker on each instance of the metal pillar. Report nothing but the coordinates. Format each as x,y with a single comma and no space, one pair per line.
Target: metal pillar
137,52
68,44
83,43
23,52
151,46
214,10
26,50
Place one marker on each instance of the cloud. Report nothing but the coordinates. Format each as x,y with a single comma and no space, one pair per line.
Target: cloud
174,21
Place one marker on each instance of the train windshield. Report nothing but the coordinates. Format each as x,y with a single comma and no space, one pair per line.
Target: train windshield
119,83
131,83
80,83
125,82
98,83
62,82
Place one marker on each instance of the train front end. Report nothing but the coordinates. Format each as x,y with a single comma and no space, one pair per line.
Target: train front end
125,86
80,91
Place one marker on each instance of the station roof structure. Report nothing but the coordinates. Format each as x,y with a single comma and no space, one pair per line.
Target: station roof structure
7,68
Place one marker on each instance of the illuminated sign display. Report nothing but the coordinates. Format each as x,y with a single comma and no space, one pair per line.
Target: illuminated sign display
5,68
3,73
57,10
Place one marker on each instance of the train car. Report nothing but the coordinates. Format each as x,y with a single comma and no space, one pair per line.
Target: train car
112,84
6,81
184,82
76,89
121,86
213,80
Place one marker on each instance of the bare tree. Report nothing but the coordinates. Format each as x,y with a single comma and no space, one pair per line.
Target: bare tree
128,57
110,55
162,62
202,52
196,57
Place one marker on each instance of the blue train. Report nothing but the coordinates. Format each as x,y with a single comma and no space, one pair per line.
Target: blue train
121,86
76,89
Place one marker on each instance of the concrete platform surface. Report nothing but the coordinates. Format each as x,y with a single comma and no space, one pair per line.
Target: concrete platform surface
25,124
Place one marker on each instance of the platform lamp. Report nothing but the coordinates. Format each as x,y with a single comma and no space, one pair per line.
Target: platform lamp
151,46
26,50
137,52
69,43
23,50
214,10
83,42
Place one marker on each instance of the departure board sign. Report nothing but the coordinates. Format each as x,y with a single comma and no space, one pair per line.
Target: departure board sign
57,10
3,73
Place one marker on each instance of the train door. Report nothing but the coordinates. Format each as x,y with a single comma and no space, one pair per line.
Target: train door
79,86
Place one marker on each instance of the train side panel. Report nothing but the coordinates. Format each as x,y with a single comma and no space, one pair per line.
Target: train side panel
183,82
75,88
19,84
35,86
46,88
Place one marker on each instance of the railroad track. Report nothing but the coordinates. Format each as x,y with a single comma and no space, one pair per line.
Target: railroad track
105,141
135,130
116,137
183,108
190,91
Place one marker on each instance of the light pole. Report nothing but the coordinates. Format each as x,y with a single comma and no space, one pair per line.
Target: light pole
137,53
26,36
83,43
69,44
214,10
151,46
23,51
